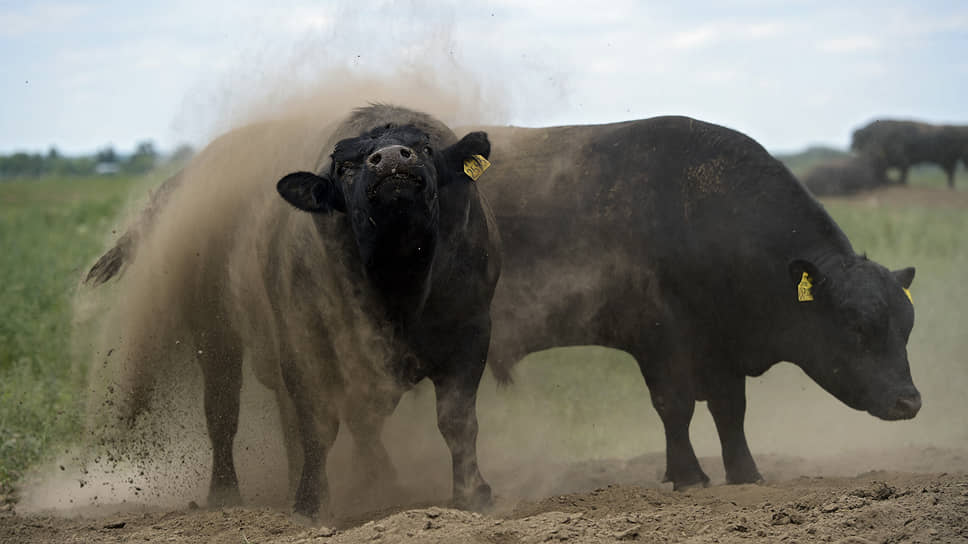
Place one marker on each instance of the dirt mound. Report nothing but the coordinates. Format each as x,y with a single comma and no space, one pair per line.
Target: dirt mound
807,500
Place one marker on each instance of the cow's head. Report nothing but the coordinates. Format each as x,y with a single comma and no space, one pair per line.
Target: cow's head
854,322
388,182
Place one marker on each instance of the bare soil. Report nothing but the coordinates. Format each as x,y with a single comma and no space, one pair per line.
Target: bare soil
912,494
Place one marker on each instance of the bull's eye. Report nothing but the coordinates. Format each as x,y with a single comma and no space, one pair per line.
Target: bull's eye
428,151
343,167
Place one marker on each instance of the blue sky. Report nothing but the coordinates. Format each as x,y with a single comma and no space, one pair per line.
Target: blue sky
82,75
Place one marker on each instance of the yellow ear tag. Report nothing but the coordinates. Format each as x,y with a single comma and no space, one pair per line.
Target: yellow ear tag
475,166
908,293
803,288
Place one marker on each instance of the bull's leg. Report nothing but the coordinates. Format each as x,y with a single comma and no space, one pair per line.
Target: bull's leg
318,425
221,363
727,404
904,174
682,466
950,171
366,427
456,392
290,435
674,399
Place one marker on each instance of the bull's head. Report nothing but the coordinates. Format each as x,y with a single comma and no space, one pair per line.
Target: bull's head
388,182
854,323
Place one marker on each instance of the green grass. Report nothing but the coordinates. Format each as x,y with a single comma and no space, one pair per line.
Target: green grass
50,230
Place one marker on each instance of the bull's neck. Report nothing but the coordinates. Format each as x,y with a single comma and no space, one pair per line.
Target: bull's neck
398,261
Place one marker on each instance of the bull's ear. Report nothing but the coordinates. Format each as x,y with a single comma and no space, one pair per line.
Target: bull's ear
805,276
470,150
905,276
474,143
312,193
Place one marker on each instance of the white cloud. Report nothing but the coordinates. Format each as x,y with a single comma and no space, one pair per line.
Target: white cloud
695,38
849,44
765,29
38,18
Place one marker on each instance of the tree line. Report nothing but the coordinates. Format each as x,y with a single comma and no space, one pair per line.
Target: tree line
106,161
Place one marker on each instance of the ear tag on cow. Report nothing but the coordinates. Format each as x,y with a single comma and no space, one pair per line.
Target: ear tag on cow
908,293
475,166
804,293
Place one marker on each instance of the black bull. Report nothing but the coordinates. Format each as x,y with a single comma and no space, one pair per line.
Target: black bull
688,246
683,243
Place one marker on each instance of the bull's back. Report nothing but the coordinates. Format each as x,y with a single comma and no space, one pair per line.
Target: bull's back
604,225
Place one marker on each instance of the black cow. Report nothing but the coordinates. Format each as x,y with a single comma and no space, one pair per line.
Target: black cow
386,281
843,176
902,144
685,244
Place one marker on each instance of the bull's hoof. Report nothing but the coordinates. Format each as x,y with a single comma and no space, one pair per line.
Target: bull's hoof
478,500
744,478
700,480
307,508
304,520
224,497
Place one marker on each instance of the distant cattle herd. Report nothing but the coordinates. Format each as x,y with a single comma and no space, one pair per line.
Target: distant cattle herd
884,144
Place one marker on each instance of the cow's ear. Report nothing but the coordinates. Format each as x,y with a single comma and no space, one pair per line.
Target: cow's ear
468,157
805,277
312,193
905,276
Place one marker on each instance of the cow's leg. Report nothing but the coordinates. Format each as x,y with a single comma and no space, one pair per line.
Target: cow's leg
903,169
674,398
456,391
221,362
318,424
727,404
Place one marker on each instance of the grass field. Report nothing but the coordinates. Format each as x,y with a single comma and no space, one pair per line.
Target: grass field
52,229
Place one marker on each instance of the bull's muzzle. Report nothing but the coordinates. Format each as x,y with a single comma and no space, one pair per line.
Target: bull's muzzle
392,160
906,406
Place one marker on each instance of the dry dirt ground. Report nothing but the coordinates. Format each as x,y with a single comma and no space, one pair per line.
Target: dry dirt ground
914,494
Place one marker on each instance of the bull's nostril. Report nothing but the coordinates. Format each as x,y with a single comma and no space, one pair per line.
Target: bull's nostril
405,153
909,405
375,159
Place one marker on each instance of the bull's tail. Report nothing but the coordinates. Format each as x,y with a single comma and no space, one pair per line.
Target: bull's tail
112,263
501,371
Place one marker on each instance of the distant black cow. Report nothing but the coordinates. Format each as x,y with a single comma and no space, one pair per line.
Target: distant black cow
902,144
688,246
386,281
843,176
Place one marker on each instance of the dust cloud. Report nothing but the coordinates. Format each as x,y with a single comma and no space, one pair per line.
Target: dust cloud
568,408
197,267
